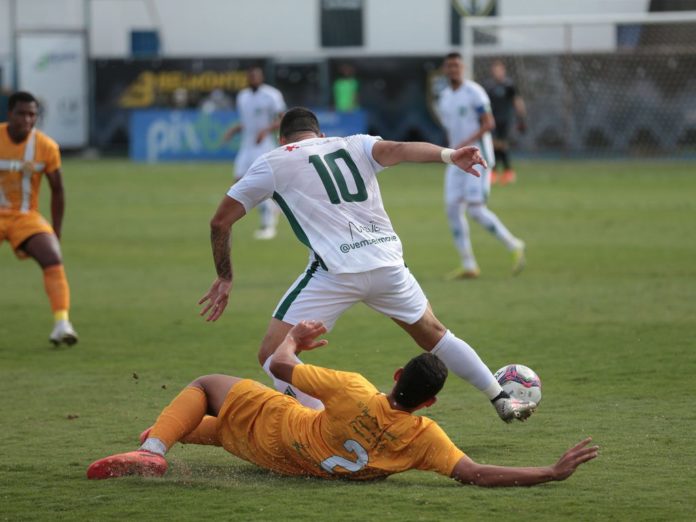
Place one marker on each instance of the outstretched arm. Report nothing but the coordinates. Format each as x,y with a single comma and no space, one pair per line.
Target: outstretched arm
55,182
388,153
301,337
469,472
215,300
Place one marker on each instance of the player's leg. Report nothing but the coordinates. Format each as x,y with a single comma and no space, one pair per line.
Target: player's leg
45,249
455,183
315,295
397,294
184,415
480,213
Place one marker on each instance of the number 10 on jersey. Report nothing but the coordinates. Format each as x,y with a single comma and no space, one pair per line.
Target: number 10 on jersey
335,177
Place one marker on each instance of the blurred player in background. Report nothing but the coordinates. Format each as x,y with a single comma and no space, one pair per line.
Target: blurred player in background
465,112
260,107
328,190
506,104
26,155
345,89
361,435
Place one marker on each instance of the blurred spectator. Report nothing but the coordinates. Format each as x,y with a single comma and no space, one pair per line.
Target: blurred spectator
345,89
217,100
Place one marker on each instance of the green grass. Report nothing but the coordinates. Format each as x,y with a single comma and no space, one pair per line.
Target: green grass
604,313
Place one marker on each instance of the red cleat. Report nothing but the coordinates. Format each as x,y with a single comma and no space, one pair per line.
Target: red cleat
144,435
139,462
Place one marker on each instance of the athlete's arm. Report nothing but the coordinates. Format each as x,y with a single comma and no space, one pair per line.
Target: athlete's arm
467,471
271,128
55,182
521,112
388,153
229,133
301,337
487,124
215,300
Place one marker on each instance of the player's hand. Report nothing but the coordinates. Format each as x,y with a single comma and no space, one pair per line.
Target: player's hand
467,157
521,126
571,459
304,335
215,300
261,136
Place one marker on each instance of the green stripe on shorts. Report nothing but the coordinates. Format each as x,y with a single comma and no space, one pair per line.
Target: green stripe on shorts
283,308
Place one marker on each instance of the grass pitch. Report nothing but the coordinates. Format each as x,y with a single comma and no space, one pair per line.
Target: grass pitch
604,313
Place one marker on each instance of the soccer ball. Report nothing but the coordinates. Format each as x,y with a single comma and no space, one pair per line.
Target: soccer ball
520,382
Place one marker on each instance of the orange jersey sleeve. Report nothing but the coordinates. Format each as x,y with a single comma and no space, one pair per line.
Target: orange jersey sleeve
329,386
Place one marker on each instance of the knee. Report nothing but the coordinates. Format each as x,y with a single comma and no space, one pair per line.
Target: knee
475,211
200,382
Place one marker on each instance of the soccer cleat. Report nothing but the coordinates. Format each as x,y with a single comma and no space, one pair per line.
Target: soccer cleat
519,260
139,462
494,177
265,233
63,332
463,273
510,409
509,176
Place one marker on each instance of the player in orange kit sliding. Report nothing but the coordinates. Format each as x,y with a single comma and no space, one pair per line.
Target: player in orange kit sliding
362,434
26,155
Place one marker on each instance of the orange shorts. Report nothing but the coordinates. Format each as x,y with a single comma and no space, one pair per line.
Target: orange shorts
17,227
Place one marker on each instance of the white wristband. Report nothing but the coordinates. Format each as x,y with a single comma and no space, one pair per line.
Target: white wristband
446,155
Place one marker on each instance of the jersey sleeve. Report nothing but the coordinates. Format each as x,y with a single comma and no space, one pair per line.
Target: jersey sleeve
434,451
328,385
481,101
256,185
279,102
368,142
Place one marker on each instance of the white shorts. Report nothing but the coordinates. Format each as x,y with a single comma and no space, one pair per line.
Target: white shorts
462,187
321,296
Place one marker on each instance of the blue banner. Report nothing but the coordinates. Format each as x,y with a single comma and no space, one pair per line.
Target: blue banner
192,135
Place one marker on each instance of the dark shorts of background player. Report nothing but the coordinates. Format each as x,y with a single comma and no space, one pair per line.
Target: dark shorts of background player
501,131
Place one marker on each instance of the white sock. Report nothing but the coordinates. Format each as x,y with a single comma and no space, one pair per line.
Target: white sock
289,389
488,220
154,445
459,227
463,360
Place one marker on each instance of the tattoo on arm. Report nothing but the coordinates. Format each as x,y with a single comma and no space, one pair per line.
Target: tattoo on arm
220,241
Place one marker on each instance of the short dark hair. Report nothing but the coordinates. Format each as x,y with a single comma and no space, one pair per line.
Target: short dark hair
422,379
453,55
298,119
20,97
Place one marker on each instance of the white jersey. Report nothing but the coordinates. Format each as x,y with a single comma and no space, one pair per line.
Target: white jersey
257,111
328,190
460,113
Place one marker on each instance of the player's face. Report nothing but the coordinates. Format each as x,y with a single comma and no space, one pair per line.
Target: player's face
453,69
254,77
498,71
22,118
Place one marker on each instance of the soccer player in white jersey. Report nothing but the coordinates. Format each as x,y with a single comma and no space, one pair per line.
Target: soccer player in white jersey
328,190
465,112
260,107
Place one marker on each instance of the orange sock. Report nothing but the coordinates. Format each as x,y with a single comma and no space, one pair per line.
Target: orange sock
56,285
181,417
205,433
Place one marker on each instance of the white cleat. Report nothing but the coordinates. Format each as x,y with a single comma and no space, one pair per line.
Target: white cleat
63,332
265,233
510,409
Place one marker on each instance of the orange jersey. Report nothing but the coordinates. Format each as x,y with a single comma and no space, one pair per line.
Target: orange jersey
21,170
358,436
